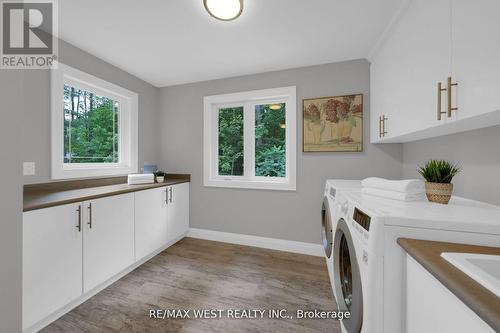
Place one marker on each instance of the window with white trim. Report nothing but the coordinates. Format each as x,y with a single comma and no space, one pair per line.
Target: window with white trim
94,126
250,139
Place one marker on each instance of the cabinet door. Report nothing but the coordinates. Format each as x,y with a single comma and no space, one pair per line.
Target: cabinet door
433,308
150,221
52,261
385,93
178,211
408,67
476,56
108,242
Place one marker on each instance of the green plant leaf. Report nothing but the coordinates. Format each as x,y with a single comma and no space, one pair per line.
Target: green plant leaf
439,171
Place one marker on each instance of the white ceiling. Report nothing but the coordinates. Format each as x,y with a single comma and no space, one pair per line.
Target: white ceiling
169,42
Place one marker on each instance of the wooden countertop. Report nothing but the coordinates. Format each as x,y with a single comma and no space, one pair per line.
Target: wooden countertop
37,196
479,299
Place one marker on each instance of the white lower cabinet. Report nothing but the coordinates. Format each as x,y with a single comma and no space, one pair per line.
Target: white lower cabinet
52,260
177,211
432,308
161,217
69,250
108,241
150,221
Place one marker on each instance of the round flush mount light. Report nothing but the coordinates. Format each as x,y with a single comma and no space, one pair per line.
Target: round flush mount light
224,10
275,107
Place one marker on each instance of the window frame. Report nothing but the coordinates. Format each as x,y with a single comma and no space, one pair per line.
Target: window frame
127,127
248,100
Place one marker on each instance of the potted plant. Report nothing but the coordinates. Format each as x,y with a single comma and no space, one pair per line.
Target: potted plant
438,175
160,176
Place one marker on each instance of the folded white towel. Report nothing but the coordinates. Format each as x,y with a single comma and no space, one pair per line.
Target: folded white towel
401,196
404,186
141,178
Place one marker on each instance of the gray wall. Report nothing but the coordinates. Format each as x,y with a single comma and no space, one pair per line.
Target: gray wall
11,139
476,151
276,214
37,115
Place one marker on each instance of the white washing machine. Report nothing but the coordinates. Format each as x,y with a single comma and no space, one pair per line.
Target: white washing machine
369,266
329,215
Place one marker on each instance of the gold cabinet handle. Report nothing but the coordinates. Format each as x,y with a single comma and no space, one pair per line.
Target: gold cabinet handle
440,89
90,215
79,212
449,85
383,130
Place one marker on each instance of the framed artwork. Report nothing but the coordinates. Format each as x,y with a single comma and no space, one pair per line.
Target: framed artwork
333,124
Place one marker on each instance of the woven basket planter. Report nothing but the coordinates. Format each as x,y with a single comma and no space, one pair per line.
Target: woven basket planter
438,192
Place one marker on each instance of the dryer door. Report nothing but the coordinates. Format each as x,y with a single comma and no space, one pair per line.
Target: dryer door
347,278
326,227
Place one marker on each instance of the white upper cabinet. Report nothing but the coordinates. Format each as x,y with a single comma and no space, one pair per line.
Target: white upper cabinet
408,66
150,221
108,241
430,42
476,56
52,260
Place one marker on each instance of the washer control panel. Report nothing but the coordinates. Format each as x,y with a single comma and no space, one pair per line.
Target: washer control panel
361,222
362,219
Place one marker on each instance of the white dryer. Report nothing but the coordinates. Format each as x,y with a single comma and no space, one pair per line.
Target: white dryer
369,278
329,215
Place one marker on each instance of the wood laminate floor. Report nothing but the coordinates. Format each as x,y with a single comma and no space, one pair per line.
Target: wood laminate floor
199,274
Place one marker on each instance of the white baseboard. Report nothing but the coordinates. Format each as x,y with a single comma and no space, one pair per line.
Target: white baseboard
263,242
65,309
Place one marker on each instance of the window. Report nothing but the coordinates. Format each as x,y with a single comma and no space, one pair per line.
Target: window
249,139
94,126
90,127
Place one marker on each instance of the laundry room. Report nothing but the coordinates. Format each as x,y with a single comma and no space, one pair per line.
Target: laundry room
250,166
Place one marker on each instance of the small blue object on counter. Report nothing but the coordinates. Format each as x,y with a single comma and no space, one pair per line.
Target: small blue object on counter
149,168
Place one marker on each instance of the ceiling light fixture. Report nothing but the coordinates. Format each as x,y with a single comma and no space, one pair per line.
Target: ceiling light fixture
224,10
275,107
